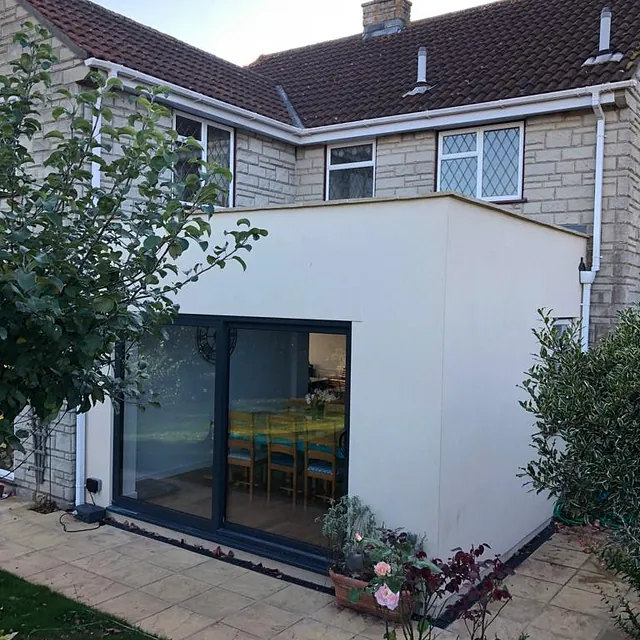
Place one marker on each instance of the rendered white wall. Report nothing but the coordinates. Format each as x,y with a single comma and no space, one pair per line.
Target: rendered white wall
499,272
441,294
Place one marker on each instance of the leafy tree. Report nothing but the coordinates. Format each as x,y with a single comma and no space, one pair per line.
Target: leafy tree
85,267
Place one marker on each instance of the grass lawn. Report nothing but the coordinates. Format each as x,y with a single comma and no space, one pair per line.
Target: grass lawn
37,613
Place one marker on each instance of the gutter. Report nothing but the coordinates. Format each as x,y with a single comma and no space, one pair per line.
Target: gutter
465,115
587,278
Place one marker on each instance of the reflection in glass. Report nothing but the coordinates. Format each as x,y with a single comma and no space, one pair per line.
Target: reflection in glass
168,450
286,438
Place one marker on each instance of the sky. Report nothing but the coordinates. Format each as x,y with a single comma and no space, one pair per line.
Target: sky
241,30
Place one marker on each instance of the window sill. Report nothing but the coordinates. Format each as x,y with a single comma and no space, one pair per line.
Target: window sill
514,201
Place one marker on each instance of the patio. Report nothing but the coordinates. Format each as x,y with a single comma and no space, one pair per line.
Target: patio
179,594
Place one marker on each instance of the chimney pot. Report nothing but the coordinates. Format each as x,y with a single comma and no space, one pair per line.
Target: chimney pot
383,17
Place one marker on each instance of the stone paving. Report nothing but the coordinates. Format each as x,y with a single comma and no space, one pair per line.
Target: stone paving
182,595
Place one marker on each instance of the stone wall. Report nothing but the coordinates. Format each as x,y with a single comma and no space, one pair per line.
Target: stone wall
405,164
49,469
559,177
310,173
264,171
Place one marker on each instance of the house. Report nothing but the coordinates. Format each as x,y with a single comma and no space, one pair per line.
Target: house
524,105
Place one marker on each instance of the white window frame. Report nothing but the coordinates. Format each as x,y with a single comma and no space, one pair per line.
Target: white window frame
479,154
349,165
204,124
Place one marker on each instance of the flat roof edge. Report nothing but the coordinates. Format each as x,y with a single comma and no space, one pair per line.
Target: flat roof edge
429,196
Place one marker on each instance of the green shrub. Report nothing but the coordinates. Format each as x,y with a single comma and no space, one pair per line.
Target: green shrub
587,416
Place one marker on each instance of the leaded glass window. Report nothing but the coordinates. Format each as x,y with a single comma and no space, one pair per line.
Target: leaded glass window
485,163
216,144
351,172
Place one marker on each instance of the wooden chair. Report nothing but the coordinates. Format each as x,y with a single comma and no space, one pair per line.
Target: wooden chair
282,450
241,446
320,461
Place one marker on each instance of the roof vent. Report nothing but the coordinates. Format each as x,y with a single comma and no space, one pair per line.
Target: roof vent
605,53
421,82
384,17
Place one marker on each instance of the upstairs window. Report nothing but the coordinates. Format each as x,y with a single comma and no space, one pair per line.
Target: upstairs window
217,146
350,171
484,163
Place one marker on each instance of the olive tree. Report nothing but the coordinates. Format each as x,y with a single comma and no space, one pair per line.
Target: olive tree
84,267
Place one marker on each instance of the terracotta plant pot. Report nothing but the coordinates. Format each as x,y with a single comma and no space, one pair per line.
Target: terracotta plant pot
366,603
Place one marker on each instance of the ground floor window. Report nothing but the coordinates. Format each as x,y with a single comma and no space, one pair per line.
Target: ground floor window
248,427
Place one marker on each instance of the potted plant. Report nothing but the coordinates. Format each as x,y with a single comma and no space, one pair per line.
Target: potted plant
362,555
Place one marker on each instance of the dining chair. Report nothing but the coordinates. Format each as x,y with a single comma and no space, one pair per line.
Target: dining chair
282,450
320,459
242,451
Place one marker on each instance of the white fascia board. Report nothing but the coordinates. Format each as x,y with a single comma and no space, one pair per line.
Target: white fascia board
449,118
464,116
191,101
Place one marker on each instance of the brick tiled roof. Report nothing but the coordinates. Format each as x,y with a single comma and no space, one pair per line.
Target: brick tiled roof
501,50
107,35
505,49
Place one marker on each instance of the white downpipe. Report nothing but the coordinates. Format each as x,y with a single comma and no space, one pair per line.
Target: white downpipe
81,441
81,418
587,278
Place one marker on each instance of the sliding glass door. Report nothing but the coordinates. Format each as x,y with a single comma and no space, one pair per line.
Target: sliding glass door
167,434
286,431
242,429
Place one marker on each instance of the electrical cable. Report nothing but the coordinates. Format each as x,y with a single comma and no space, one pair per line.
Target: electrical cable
64,526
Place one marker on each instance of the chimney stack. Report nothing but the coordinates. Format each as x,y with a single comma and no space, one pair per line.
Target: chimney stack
384,17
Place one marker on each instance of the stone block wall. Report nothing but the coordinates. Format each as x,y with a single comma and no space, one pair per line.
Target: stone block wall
310,173
264,171
53,471
405,164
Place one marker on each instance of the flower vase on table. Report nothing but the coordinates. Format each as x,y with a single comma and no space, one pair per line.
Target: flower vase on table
317,403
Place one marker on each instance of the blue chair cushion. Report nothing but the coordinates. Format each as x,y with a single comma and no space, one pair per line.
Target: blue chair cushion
320,467
282,459
243,454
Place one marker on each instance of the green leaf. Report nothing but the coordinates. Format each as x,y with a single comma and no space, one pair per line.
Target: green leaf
3,333
54,134
103,305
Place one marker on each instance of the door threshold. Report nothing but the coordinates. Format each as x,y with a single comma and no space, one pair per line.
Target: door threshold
193,540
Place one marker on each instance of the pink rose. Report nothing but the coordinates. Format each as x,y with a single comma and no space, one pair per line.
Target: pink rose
387,598
382,569
358,537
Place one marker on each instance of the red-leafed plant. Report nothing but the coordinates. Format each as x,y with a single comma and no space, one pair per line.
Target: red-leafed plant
476,583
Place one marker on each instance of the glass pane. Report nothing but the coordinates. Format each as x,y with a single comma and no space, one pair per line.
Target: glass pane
168,450
501,160
346,184
219,151
459,143
459,175
188,164
286,440
359,153
188,128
